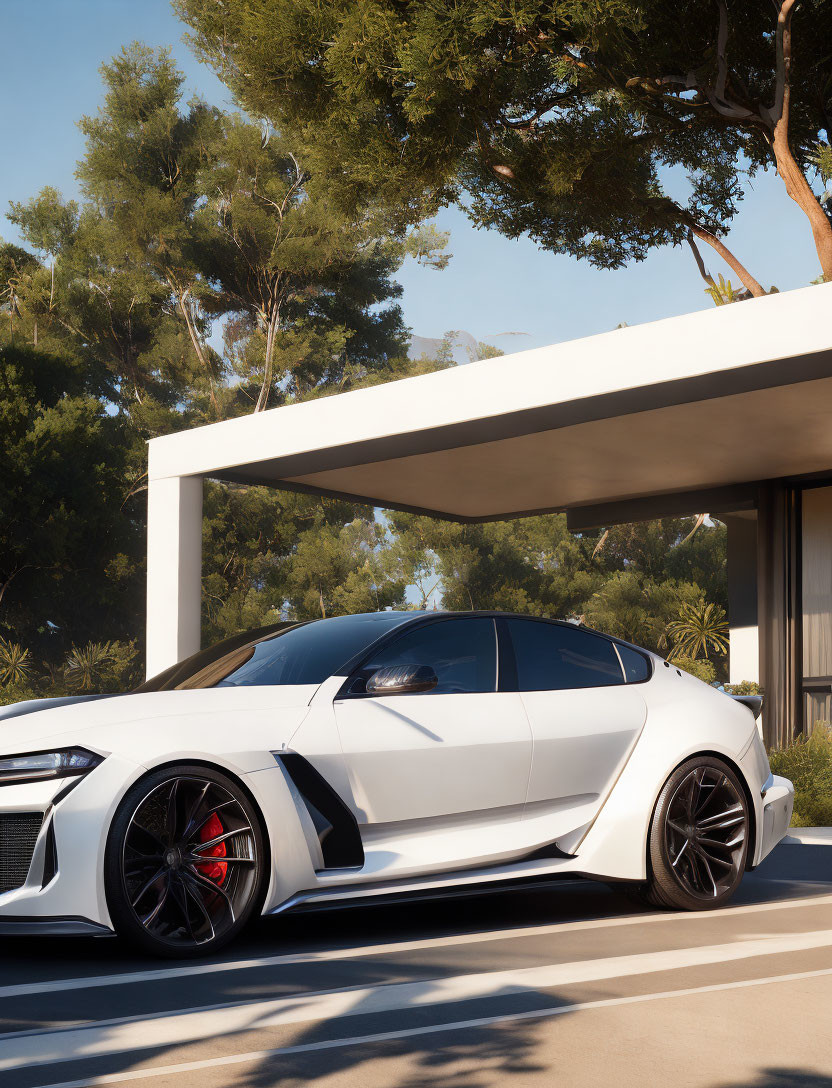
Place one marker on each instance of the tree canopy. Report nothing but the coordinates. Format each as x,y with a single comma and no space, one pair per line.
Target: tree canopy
560,121
204,272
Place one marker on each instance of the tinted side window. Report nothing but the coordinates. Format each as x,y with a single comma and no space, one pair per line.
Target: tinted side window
462,653
636,665
307,654
551,657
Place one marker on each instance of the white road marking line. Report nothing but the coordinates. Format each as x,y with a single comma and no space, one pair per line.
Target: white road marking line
49,986
26,1049
409,1033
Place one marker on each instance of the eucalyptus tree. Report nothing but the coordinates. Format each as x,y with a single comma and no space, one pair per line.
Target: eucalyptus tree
112,307
139,172
310,287
554,120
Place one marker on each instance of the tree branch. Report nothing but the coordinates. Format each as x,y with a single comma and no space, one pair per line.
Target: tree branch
779,110
700,264
748,281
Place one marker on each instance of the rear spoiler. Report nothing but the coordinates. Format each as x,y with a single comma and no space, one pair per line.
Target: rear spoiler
753,702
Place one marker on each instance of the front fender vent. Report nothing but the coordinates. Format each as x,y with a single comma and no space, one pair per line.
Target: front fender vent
18,834
336,827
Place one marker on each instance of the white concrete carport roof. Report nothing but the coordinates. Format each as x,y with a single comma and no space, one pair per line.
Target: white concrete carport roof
707,400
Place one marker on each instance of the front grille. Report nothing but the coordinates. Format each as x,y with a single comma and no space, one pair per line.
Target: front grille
18,835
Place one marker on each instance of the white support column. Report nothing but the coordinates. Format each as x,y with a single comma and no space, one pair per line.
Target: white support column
174,570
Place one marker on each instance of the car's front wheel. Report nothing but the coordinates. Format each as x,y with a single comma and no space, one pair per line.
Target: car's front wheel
699,835
185,861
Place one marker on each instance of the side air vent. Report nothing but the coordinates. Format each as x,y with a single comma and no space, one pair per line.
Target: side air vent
337,828
18,835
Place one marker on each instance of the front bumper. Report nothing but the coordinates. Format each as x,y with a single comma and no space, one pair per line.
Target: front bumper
62,890
777,805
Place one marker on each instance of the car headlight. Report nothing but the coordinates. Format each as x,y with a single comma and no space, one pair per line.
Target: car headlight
36,766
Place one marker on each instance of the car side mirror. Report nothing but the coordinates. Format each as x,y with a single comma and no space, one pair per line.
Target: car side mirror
402,680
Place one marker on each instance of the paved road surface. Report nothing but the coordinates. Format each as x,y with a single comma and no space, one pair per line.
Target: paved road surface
569,985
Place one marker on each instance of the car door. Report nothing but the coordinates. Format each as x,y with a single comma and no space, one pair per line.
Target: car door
585,717
462,749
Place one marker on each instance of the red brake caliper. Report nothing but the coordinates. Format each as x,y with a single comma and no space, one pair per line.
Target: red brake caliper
214,870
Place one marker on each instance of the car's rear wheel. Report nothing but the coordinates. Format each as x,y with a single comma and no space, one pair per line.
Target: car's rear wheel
698,837
185,861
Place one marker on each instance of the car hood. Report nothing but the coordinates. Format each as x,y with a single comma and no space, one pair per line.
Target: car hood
223,716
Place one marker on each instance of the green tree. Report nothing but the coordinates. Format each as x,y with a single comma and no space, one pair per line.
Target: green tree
110,307
554,120
18,268
311,289
143,156
699,628
531,565
71,536
484,351
341,569
637,608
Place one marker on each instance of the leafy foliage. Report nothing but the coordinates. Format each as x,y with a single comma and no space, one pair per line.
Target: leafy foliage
556,121
701,627
15,664
807,761
702,669
70,535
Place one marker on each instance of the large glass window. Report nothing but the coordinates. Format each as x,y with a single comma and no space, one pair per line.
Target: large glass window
552,656
462,653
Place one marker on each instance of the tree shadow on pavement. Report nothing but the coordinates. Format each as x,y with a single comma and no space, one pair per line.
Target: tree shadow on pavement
465,1058
782,1078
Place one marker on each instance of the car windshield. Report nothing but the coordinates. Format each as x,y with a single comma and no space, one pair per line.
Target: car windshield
306,653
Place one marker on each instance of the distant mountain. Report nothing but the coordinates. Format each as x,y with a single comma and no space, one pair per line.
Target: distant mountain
464,345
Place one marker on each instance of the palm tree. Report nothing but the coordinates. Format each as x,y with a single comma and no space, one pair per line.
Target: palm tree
15,663
86,666
700,626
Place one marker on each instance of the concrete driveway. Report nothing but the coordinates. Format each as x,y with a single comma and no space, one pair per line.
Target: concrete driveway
568,985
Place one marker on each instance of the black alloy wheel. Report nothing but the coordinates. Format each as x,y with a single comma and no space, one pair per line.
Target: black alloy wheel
699,837
185,862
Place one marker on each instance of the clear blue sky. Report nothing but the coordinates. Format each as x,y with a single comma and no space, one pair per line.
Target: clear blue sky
50,53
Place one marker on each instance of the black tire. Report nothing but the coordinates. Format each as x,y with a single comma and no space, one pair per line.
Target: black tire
640,894
699,838
165,891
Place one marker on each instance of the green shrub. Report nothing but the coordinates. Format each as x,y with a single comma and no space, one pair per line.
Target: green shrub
15,693
744,687
699,667
807,761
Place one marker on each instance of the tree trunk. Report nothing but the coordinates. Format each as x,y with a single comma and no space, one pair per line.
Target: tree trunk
700,264
5,585
197,346
801,193
793,177
266,388
748,281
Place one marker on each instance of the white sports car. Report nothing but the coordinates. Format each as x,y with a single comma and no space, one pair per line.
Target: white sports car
389,754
